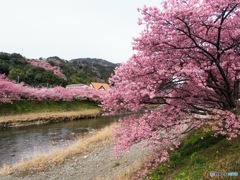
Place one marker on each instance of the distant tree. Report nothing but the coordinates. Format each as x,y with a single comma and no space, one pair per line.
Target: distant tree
16,56
187,61
4,56
4,69
45,65
10,90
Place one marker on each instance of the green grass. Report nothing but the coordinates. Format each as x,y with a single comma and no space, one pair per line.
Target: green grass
197,157
33,106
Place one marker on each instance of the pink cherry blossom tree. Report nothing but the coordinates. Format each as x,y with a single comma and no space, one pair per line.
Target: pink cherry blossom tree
45,65
8,90
185,74
13,91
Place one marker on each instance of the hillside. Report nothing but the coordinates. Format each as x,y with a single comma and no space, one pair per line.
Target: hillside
47,73
99,68
18,69
84,70
102,62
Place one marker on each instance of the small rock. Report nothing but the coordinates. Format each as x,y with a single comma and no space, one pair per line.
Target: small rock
10,173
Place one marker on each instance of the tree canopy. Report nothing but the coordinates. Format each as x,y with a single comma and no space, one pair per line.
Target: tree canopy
185,74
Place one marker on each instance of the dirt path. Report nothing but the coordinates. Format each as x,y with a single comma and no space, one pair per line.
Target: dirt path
100,163
43,118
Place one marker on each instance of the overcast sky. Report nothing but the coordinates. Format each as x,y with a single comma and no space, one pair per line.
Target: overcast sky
70,28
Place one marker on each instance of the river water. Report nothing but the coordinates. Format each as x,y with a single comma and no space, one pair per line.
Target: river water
18,144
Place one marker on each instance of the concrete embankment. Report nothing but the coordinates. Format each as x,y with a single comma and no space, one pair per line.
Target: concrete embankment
48,117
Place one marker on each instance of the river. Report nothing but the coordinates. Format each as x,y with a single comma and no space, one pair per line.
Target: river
18,144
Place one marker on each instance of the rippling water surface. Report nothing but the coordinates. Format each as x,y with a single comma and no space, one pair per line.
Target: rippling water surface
23,143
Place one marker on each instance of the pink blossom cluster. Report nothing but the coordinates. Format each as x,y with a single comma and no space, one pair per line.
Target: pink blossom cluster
185,74
12,91
45,65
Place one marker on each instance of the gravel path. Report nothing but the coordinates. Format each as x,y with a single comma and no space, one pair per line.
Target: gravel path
97,164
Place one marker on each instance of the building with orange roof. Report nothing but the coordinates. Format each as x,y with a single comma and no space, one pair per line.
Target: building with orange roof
99,86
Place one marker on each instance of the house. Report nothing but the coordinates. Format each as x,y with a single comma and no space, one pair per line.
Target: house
76,86
99,86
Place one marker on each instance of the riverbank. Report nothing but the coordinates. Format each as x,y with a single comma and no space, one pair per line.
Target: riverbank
200,154
46,117
32,112
33,106
91,157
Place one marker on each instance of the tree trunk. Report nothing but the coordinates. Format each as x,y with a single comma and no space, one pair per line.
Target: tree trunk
236,93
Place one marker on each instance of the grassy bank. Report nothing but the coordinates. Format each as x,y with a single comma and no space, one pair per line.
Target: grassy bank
33,106
31,119
200,154
28,113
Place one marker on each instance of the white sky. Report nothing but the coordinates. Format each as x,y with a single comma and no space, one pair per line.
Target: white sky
71,28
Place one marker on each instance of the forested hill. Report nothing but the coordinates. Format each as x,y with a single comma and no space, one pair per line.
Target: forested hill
93,61
84,70
18,69
98,68
54,71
